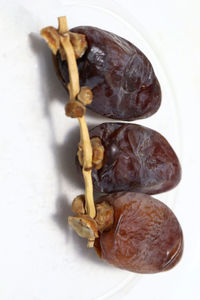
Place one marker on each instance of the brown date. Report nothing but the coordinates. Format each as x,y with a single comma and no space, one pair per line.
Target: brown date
122,79
136,158
145,237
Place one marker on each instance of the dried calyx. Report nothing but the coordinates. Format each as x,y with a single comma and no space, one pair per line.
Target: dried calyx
72,46
97,153
85,96
78,205
104,216
87,227
52,37
75,109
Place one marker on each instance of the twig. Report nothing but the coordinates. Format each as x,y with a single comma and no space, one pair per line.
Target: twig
74,89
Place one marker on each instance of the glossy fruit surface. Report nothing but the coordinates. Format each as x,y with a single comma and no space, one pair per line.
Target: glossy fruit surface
145,237
121,77
136,158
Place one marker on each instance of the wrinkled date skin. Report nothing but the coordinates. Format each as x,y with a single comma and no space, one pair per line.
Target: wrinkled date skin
122,79
145,237
136,159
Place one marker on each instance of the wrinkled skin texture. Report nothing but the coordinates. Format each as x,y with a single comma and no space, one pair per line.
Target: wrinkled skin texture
145,237
121,77
136,159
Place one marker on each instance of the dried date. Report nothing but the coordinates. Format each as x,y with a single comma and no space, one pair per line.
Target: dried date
122,79
136,158
145,236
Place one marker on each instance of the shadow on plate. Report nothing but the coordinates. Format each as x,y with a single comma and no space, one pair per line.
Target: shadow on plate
65,154
51,88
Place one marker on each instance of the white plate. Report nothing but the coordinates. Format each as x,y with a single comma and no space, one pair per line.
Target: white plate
41,258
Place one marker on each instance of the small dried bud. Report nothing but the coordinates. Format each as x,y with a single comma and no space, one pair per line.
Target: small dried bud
85,227
98,152
78,205
85,96
51,36
104,216
75,109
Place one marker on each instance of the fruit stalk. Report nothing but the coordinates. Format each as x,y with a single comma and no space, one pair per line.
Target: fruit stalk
60,39
74,89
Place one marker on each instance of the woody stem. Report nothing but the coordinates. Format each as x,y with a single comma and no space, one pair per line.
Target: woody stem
74,89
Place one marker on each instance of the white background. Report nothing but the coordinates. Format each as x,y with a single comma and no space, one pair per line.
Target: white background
40,258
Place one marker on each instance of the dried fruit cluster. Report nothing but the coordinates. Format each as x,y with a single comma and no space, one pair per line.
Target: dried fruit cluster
128,228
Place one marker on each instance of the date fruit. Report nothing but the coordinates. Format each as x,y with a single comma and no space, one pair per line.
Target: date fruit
136,158
145,237
122,79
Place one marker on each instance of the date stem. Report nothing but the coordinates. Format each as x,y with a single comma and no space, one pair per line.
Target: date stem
62,25
74,88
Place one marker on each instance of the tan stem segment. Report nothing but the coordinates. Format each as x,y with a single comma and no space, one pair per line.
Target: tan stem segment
72,66
74,89
89,202
62,25
86,144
